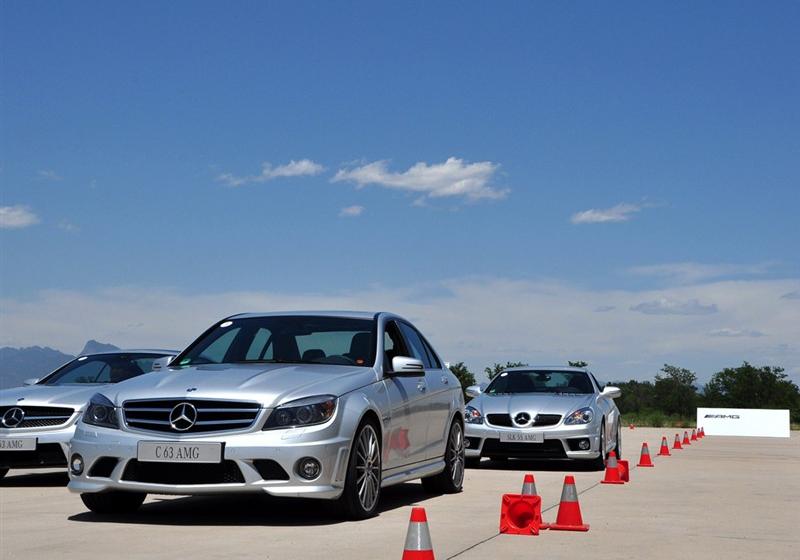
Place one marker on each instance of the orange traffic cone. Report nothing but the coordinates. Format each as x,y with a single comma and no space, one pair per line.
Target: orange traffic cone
677,444
694,435
612,471
664,451
520,514
702,433
569,510
418,539
686,439
631,426
644,458
528,486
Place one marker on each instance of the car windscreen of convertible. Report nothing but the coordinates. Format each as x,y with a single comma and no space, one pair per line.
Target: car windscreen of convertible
540,381
101,368
285,339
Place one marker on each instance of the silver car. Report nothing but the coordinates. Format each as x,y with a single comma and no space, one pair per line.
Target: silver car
542,412
38,420
333,405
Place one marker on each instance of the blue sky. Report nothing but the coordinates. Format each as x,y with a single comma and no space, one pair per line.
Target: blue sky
643,158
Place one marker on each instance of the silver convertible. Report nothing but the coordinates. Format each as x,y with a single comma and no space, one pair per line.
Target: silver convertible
38,420
332,405
542,412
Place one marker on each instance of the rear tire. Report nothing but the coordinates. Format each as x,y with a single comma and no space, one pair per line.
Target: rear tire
113,501
362,486
451,479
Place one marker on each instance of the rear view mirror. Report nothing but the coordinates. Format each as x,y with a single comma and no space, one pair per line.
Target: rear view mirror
473,391
405,366
611,392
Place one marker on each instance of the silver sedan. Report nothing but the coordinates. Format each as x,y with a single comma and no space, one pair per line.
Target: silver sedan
542,412
332,406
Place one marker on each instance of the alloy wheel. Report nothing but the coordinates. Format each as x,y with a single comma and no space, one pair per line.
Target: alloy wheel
368,468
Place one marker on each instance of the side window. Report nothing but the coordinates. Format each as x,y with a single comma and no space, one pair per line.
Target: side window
258,348
392,344
434,360
415,345
596,382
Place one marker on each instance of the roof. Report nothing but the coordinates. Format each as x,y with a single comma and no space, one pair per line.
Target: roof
549,368
347,314
135,351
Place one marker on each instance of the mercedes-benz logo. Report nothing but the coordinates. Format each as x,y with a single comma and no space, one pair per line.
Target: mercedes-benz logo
522,419
13,417
183,417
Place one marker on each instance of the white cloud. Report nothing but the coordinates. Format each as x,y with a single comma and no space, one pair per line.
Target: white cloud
67,226
544,322
453,178
619,213
669,306
604,308
268,173
351,211
16,217
735,333
690,272
48,175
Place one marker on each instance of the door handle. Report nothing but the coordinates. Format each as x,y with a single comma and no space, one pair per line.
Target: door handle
445,380
421,387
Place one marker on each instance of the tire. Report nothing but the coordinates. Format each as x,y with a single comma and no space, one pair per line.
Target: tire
362,487
472,462
113,501
600,462
618,443
3,472
451,479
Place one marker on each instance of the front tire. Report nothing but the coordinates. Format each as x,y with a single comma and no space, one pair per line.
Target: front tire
451,479
618,443
362,487
600,462
113,501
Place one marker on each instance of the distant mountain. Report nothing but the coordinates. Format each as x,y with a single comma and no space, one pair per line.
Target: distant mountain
93,347
19,364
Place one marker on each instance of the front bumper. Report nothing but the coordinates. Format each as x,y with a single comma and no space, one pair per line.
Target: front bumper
560,442
52,447
254,461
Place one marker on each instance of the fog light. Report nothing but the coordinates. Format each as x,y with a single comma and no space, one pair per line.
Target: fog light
76,465
584,444
309,468
467,443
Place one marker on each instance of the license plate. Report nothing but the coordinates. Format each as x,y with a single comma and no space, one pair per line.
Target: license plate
17,444
174,452
522,437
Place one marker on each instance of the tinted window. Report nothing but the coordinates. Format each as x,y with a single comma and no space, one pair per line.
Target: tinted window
540,381
434,360
102,368
393,344
285,339
415,345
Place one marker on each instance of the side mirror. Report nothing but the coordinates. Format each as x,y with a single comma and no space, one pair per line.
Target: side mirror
473,391
405,366
611,392
161,363
31,381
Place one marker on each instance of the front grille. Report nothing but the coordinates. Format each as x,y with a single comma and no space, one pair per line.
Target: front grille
180,474
46,455
550,449
212,415
539,421
39,416
103,467
270,470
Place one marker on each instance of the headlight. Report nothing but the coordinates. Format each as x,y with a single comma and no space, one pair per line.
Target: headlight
472,415
101,412
582,416
302,412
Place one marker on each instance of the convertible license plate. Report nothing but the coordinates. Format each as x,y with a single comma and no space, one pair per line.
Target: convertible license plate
17,444
174,452
522,437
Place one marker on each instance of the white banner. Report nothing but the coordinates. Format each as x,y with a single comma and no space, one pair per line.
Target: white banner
744,422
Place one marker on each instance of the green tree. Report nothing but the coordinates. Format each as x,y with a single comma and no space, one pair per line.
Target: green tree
578,363
637,396
495,369
748,386
465,376
675,392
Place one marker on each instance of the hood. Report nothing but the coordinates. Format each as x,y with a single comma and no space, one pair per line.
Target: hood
269,384
73,396
533,403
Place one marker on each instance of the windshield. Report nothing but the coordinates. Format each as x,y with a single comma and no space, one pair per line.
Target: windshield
540,381
102,368
285,339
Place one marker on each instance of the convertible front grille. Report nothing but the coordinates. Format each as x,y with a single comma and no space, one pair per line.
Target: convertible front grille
539,421
211,415
39,416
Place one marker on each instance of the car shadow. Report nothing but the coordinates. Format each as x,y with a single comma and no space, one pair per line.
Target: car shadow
534,465
251,509
33,480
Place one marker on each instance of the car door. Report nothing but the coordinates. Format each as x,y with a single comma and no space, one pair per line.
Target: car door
407,438
437,398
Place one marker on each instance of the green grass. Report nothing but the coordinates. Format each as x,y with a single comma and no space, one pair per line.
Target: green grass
655,419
